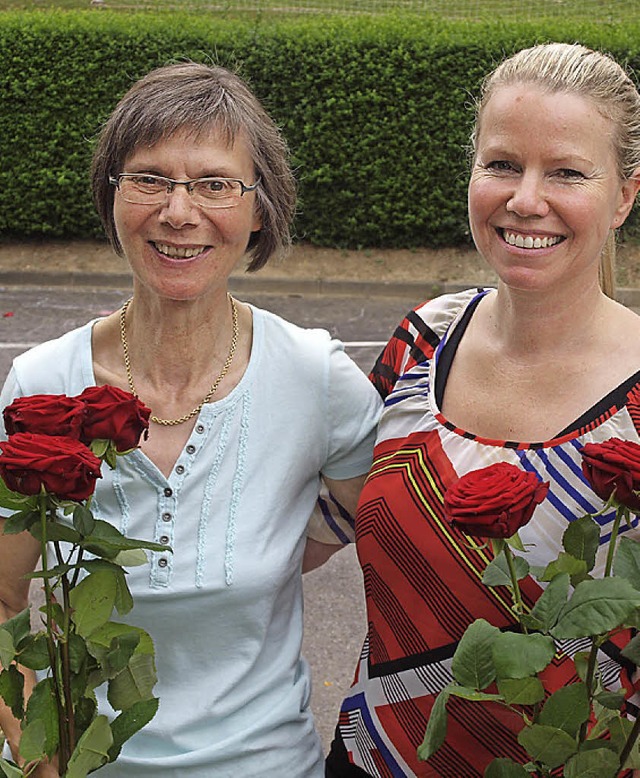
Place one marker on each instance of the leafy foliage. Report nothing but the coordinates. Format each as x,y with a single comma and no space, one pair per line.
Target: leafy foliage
377,110
79,646
556,729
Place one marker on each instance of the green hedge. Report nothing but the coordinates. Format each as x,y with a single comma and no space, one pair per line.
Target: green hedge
377,111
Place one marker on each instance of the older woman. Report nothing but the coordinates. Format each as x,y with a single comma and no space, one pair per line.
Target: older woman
525,373
248,413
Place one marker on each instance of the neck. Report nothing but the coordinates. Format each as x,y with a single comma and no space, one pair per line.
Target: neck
525,322
129,369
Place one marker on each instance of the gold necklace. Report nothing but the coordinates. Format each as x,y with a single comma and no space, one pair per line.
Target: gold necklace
214,385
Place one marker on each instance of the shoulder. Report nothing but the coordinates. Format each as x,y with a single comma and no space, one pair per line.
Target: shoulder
283,342
418,335
59,365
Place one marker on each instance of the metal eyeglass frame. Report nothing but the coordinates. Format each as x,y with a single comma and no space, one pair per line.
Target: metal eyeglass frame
189,184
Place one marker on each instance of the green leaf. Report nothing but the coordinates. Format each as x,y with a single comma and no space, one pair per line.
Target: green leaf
124,600
92,750
545,612
497,571
116,657
12,689
581,539
15,501
93,600
515,542
106,541
56,531
134,683
472,663
594,763
103,636
520,656
131,721
619,730
34,653
505,768
78,653
548,745
51,572
99,446
566,708
565,563
7,649
83,520
521,691
133,557
596,607
468,693
19,626
42,707
32,741
9,770
436,731
20,521
627,561
581,663
611,700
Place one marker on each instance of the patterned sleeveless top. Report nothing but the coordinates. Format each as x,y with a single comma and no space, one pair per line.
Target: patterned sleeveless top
423,579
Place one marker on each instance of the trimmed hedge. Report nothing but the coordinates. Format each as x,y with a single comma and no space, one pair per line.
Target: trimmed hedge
377,110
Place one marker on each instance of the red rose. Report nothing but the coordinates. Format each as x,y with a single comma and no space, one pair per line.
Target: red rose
64,466
614,467
495,501
45,414
113,414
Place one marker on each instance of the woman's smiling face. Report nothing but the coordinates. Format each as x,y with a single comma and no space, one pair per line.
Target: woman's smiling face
544,191
177,248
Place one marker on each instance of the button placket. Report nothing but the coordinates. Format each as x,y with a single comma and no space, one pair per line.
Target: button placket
164,534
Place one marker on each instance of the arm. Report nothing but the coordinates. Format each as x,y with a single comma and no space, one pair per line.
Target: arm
19,555
346,492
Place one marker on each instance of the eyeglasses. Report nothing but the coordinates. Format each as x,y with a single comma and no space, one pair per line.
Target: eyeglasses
147,189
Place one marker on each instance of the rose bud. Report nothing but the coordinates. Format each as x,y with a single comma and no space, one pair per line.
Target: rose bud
494,501
64,466
113,414
613,468
44,414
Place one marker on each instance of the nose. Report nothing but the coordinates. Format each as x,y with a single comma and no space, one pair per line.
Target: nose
178,209
528,197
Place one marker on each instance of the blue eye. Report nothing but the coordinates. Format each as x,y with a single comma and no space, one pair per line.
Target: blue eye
569,173
500,166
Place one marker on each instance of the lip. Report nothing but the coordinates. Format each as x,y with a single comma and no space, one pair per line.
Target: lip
529,240
180,253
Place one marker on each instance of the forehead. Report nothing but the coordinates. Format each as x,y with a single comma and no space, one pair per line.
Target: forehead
188,145
526,114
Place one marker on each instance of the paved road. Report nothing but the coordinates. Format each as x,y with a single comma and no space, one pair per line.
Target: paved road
334,614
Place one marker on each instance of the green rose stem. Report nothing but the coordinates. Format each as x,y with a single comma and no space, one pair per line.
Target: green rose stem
597,641
498,545
65,658
56,668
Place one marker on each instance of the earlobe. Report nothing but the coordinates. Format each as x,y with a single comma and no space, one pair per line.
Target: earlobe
629,191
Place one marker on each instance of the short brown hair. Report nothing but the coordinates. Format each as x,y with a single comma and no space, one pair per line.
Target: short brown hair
198,98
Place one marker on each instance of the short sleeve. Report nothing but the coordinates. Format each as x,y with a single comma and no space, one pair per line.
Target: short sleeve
354,410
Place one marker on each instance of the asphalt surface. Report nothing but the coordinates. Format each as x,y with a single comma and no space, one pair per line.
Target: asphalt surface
334,611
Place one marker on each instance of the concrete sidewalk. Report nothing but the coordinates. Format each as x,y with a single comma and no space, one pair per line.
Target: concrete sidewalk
413,275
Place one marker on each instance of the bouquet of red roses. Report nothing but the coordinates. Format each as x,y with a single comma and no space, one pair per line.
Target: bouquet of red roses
580,729
49,467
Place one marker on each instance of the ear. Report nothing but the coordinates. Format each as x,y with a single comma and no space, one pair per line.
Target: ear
628,192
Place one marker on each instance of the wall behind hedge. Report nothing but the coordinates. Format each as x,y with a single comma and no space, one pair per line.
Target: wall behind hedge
377,111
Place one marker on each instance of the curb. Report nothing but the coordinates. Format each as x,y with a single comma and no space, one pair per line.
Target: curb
415,292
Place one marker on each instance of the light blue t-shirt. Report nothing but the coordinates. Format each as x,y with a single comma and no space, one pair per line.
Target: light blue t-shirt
225,608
